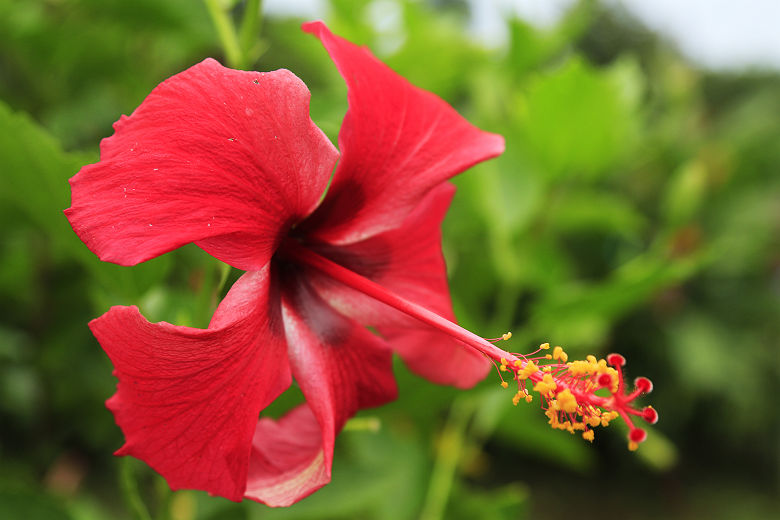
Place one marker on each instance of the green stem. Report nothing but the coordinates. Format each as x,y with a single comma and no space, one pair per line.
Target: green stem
129,487
227,34
364,424
215,275
164,496
448,455
224,272
249,24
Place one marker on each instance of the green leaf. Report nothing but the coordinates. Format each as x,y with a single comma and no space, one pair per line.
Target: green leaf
31,506
685,192
578,120
504,503
440,35
524,429
578,314
658,451
35,177
530,46
587,210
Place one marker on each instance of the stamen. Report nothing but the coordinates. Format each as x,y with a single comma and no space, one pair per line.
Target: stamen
504,337
498,371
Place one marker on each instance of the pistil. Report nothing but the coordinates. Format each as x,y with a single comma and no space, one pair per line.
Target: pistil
568,389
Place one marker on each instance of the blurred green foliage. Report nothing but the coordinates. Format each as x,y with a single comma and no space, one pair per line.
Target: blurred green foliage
636,209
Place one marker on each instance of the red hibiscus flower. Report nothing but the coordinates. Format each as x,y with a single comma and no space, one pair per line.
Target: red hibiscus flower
231,161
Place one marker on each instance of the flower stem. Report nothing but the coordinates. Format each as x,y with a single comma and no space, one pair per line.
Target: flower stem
227,34
249,24
452,444
129,486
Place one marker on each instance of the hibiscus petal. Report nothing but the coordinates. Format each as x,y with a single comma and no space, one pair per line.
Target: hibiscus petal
397,141
341,367
188,399
288,460
407,261
228,159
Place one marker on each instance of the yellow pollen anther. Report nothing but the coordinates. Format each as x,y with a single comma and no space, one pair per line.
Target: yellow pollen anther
506,336
607,417
566,401
529,370
632,446
544,346
546,386
504,384
588,435
558,353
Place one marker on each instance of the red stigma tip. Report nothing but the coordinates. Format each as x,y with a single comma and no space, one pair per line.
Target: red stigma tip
604,380
616,360
637,435
643,384
650,415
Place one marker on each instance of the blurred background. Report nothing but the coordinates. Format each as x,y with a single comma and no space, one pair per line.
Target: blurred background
635,210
